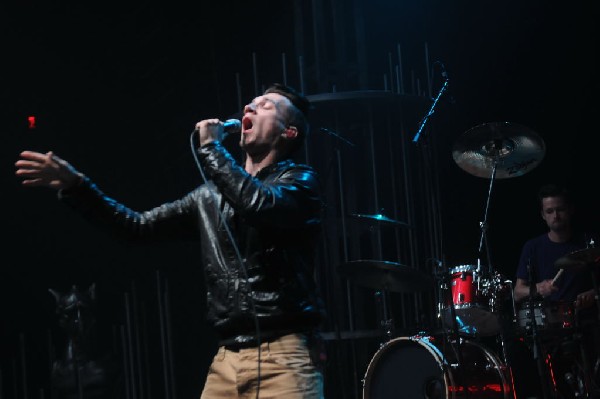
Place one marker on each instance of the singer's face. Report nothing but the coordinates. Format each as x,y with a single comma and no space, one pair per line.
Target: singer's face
264,122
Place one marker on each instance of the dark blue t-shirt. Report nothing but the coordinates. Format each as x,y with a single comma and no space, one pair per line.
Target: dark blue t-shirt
541,254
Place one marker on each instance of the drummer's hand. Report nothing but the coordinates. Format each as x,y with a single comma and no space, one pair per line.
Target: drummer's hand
545,288
585,299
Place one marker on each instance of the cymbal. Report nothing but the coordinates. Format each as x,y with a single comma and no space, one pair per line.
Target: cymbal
512,148
579,259
384,275
379,218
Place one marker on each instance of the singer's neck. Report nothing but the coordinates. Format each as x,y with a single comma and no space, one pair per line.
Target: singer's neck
255,163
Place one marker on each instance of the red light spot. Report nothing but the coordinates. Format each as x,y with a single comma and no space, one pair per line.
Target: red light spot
31,121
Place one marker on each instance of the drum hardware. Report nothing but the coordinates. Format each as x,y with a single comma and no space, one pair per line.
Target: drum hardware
379,219
475,300
427,367
583,260
385,276
497,150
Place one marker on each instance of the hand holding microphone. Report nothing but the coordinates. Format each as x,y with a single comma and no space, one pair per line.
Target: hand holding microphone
210,130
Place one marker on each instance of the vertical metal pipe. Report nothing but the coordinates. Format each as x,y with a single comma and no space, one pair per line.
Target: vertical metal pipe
255,74
23,365
284,69
301,74
136,337
128,330
146,352
401,79
15,378
169,339
349,299
427,70
391,70
374,173
163,335
316,18
41,393
124,350
239,90
408,161
50,352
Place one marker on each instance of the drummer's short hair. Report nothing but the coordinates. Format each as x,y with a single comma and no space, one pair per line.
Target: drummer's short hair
554,190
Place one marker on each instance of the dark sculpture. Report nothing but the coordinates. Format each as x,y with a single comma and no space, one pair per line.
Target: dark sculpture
81,372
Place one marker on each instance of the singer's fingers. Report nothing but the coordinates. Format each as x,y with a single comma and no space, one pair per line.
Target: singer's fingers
28,164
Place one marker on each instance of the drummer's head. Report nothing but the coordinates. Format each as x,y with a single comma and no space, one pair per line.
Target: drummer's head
556,206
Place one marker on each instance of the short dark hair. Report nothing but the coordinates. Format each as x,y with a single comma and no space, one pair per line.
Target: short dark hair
299,113
554,190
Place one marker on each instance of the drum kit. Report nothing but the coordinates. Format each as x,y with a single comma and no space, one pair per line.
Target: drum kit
472,299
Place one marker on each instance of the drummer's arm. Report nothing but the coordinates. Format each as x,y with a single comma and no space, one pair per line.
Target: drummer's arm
543,288
521,290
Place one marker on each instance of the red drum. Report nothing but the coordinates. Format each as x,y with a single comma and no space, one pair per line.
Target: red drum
417,367
472,303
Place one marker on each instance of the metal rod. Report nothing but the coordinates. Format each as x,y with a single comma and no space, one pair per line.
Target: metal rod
163,335
284,68
427,70
391,69
301,73
136,329
128,330
169,338
255,74
145,341
125,363
239,90
400,69
23,364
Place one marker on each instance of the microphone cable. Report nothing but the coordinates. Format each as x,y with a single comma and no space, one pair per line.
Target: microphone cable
239,258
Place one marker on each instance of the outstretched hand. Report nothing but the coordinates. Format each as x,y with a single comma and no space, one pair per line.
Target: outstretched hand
46,170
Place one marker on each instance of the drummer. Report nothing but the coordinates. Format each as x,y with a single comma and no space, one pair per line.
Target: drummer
570,286
539,254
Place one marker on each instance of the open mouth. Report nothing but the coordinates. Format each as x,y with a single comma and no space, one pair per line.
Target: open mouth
246,124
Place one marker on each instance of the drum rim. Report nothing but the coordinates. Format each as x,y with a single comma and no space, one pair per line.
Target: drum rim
463,268
425,342
442,360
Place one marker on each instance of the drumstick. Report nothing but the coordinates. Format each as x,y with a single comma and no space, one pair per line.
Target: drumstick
560,272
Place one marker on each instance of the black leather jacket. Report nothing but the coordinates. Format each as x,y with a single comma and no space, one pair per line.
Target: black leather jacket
274,217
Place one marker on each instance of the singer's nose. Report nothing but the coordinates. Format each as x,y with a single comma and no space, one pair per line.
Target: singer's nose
251,107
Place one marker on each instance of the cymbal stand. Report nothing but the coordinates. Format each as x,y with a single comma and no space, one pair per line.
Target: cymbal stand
537,348
484,226
454,325
588,370
386,323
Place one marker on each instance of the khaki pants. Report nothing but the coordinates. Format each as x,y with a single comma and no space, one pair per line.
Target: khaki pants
286,371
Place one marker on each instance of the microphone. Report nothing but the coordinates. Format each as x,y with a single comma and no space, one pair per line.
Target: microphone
231,126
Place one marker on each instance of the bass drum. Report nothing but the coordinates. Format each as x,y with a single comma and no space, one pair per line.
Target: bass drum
418,367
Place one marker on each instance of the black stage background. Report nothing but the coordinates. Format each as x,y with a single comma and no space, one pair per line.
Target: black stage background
116,90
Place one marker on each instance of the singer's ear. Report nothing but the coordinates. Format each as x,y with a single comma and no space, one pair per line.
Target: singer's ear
290,132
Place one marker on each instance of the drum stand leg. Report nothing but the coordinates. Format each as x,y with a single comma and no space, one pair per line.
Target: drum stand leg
507,364
386,323
457,345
